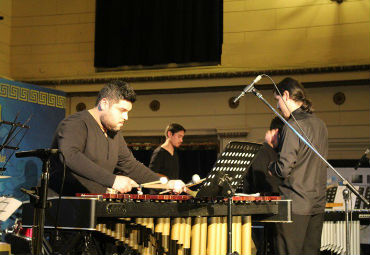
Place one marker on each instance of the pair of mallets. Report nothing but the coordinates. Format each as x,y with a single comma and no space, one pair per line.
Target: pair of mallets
162,184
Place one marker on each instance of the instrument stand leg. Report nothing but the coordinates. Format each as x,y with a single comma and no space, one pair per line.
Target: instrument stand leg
78,242
46,247
346,197
229,227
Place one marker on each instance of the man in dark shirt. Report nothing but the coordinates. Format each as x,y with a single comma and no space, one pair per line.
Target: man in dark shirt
165,159
96,155
302,171
258,180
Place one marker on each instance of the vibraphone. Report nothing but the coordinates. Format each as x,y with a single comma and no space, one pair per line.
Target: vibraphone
171,224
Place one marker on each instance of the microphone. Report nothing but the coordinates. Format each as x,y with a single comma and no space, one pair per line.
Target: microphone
248,88
39,153
362,159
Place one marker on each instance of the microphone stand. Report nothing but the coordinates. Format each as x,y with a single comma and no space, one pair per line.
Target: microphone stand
345,181
40,205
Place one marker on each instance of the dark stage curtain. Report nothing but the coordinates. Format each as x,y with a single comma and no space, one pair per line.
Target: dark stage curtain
139,32
196,162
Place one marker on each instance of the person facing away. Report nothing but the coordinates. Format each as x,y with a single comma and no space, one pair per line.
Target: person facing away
302,171
96,154
258,179
165,159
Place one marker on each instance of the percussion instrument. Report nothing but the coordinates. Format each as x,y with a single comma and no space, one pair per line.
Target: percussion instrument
333,238
155,224
5,248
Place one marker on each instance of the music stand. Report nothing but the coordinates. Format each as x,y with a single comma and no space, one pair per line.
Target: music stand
13,132
229,169
226,175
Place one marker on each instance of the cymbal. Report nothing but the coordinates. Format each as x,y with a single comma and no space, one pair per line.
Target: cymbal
4,177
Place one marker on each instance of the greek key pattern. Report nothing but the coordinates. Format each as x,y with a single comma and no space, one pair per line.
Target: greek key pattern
32,96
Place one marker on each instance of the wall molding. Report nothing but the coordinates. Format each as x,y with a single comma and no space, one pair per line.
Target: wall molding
204,75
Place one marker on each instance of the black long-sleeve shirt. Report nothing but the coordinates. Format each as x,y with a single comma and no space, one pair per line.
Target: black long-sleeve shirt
164,163
304,173
257,178
92,158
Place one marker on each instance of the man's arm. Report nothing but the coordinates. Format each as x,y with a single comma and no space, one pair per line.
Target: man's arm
71,137
288,154
133,168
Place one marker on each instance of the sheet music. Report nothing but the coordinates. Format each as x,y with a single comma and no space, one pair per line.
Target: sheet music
8,206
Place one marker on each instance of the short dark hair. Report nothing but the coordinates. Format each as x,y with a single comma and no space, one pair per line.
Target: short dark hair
276,123
117,90
174,128
296,92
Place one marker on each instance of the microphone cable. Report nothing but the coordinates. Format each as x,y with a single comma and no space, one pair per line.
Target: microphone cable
291,114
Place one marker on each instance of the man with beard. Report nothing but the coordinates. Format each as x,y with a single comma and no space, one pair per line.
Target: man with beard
96,154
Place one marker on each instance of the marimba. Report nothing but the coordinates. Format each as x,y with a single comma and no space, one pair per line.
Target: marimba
172,224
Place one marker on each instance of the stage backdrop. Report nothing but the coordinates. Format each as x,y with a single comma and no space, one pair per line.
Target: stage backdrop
46,108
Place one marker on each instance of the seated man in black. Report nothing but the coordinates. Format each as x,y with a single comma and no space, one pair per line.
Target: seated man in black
258,180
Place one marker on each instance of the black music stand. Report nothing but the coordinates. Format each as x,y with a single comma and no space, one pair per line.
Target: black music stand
229,169
226,175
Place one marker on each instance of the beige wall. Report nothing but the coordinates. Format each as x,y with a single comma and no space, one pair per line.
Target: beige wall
209,113
272,34
54,40
5,28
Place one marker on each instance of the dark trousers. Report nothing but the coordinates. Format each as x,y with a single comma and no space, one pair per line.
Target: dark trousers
263,236
301,237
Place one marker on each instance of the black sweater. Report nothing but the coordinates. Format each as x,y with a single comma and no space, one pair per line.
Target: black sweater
92,158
